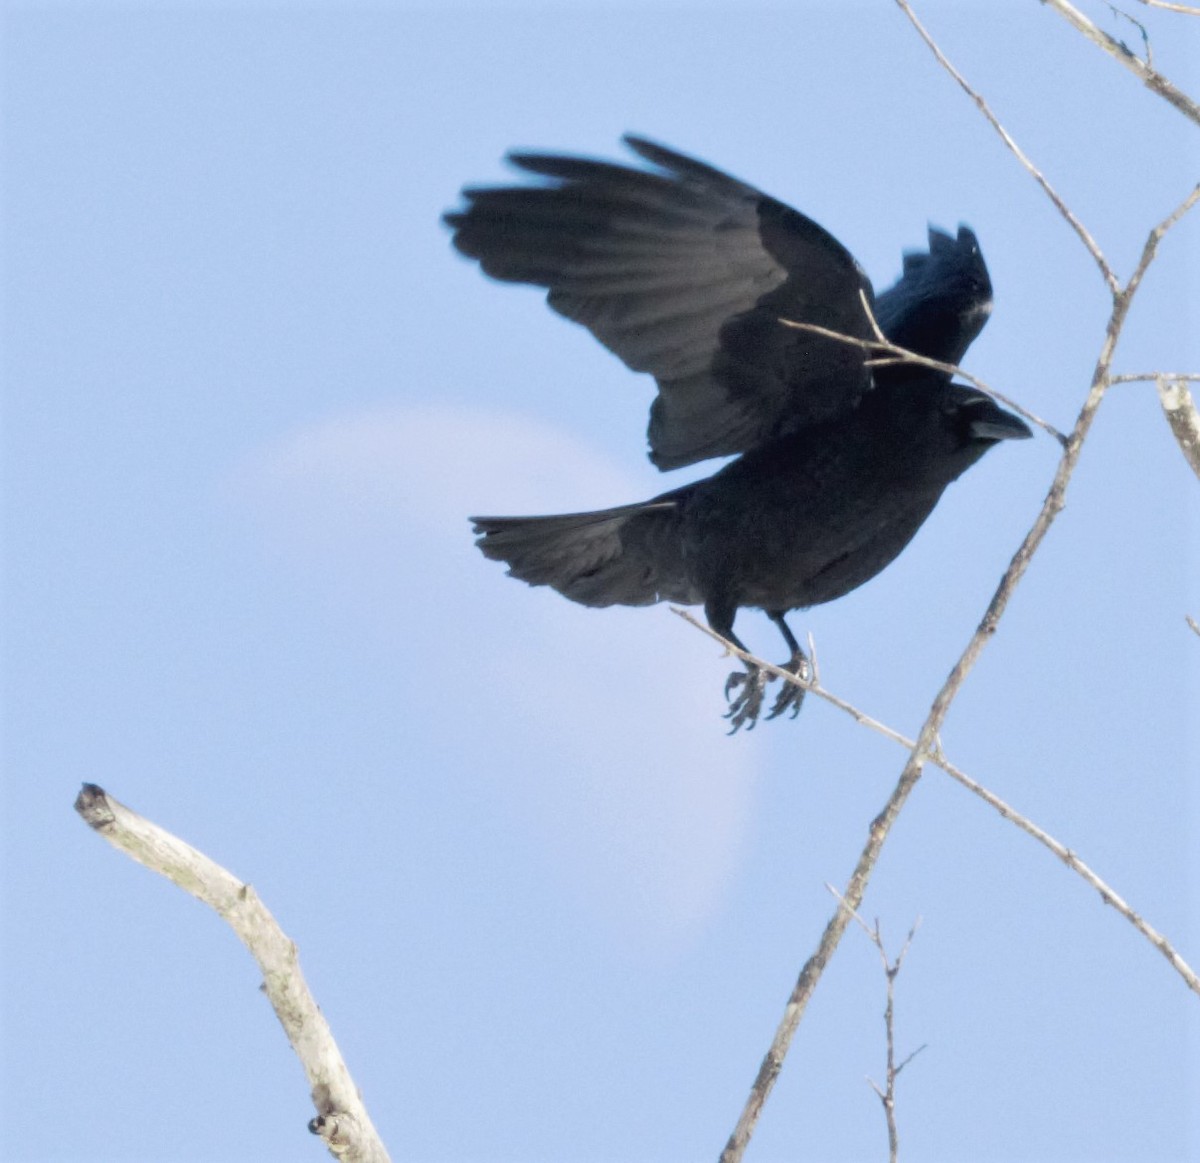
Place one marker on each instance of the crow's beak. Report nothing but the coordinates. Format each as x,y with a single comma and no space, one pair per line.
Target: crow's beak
994,423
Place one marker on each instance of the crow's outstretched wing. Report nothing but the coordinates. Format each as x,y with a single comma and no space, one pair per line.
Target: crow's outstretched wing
685,273
942,299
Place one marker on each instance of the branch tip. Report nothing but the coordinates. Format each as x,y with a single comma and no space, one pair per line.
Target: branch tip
93,806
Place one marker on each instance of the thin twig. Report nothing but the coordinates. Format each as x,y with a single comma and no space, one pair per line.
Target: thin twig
892,354
1186,9
1174,397
1085,236
1149,77
342,1121
891,970
813,684
887,1095
938,758
810,975
1122,15
1154,377
876,330
1150,248
1108,895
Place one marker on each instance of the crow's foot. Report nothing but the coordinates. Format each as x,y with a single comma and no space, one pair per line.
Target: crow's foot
744,690
791,696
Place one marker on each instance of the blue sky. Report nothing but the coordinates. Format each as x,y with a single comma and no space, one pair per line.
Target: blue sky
550,909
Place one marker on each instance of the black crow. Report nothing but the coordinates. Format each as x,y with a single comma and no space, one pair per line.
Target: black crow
689,274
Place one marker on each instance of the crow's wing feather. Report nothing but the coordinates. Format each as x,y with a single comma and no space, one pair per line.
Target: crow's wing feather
684,272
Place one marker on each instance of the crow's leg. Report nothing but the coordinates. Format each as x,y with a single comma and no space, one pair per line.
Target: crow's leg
744,688
792,695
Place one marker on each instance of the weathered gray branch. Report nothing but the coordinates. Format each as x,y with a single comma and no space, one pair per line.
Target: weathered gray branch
1151,78
882,353
1185,9
342,1121
1106,271
891,969
1108,894
1180,410
926,745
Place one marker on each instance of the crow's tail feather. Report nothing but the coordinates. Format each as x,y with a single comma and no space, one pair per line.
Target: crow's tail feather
627,556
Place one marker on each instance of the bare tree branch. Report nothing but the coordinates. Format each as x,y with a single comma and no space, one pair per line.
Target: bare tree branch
1088,241
1150,247
1149,77
1177,403
893,354
1154,377
810,975
938,758
1186,9
926,744
1180,410
891,970
342,1121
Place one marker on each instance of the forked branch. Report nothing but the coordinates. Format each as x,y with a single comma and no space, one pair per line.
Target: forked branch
925,748
938,757
885,353
1106,271
891,970
1151,78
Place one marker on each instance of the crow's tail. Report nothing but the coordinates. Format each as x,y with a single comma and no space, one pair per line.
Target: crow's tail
628,556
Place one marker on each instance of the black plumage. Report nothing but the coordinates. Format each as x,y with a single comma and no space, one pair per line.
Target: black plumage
688,274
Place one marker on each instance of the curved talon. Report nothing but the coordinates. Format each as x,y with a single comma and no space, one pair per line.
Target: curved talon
792,695
746,705
744,690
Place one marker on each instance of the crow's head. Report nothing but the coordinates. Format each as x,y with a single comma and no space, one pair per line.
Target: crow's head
941,301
